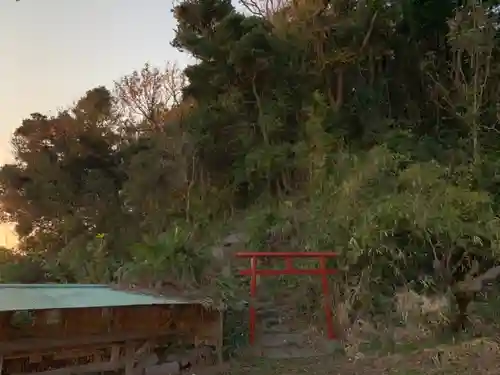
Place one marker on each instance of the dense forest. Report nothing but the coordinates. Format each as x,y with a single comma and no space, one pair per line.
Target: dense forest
362,126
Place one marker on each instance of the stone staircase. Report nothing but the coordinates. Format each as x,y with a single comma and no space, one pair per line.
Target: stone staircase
277,338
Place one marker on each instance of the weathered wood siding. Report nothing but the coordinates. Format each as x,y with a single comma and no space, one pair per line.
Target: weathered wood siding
136,320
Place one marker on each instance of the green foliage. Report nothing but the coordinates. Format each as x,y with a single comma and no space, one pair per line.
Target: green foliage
171,257
16,268
366,128
378,206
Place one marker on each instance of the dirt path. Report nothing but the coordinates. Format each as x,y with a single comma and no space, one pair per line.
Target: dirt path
481,356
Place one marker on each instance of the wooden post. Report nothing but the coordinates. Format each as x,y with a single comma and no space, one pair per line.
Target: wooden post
129,358
253,296
220,338
326,298
115,354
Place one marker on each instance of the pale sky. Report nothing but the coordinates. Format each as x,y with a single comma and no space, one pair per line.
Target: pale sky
53,51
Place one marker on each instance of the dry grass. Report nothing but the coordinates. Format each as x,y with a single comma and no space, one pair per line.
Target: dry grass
411,341
475,356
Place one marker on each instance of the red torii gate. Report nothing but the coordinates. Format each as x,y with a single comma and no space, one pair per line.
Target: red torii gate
289,269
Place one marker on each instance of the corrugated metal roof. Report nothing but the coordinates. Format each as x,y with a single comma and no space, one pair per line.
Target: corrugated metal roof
67,296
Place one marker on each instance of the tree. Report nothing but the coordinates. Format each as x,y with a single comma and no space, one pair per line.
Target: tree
145,97
338,111
66,178
278,105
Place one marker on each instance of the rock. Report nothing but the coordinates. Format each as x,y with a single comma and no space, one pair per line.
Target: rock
169,368
149,360
173,357
225,251
235,239
228,245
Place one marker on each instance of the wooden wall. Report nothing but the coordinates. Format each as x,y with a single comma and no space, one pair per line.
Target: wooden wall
141,320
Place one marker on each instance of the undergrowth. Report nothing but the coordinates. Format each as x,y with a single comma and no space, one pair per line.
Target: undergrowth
411,338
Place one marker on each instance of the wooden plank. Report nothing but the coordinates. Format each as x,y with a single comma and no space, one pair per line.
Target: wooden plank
77,353
25,347
62,353
35,358
82,369
141,354
143,350
220,338
115,353
28,345
129,358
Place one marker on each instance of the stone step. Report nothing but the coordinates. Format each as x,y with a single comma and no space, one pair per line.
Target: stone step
277,329
298,351
272,321
288,352
268,340
269,312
